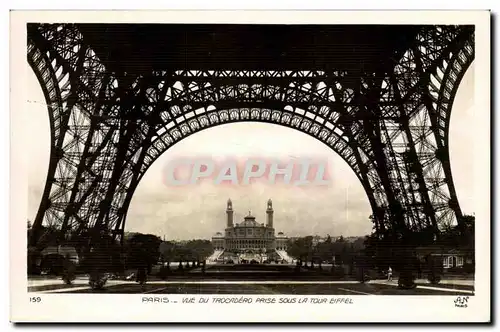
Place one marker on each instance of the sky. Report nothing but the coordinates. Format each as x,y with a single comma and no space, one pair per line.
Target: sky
198,211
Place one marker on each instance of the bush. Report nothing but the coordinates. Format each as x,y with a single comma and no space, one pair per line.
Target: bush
164,272
53,264
455,269
375,274
338,271
434,278
469,268
34,260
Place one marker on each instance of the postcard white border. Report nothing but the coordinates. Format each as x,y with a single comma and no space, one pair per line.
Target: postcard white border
128,308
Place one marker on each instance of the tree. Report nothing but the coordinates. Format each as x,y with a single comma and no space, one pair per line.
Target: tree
300,249
359,244
469,231
142,250
308,248
323,252
168,252
370,250
199,250
337,249
181,254
293,249
381,250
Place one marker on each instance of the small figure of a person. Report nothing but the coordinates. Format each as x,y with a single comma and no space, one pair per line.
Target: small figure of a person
389,274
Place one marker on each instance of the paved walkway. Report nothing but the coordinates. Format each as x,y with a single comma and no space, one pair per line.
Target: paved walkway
267,288
458,282
462,282
55,281
55,285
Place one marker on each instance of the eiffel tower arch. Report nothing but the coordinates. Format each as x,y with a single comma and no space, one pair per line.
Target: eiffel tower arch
118,96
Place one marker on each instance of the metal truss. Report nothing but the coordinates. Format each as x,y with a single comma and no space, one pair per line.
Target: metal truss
107,129
423,85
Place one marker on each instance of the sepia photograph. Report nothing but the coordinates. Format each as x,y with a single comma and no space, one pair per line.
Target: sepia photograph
228,164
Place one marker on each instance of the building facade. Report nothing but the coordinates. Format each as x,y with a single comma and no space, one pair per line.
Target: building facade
281,241
452,257
249,234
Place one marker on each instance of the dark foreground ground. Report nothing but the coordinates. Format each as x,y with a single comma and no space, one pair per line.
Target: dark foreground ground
256,280
270,289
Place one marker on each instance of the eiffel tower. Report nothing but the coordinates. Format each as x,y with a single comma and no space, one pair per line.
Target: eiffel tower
119,95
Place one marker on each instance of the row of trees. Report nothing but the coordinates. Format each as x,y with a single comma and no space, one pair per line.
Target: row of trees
383,250
194,251
376,250
340,251
136,250
386,247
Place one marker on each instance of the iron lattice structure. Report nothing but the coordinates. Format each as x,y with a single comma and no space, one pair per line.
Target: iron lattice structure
391,126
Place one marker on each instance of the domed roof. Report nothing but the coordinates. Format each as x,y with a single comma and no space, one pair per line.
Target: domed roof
280,233
249,222
249,217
